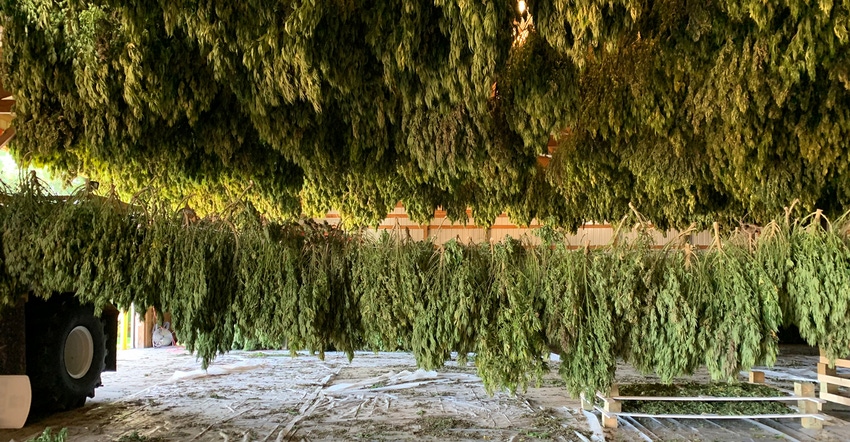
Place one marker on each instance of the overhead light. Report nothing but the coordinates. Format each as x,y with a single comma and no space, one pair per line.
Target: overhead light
522,6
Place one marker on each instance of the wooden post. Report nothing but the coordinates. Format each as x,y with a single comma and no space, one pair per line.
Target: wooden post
807,389
150,321
826,387
830,381
586,405
756,377
612,406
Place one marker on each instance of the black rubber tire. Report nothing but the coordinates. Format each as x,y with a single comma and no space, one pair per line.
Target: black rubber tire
48,326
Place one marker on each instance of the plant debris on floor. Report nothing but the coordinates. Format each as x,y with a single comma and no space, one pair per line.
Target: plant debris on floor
696,407
48,436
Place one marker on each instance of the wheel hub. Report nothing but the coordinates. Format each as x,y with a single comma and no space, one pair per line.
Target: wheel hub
79,352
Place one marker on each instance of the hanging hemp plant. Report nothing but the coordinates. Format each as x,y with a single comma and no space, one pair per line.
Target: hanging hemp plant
579,322
628,294
773,254
450,312
205,288
107,261
653,296
819,283
664,339
740,315
26,212
512,350
768,294
388,279
328,310
267,261
11,291
153,276
66,234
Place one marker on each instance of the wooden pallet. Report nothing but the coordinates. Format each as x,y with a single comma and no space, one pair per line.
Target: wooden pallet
804,395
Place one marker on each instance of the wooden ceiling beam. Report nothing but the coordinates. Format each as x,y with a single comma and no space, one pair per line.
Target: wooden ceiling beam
6,106
7,136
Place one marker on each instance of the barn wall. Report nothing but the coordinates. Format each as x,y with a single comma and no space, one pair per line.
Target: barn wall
441,230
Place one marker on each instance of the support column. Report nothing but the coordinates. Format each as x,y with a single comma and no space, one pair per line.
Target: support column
807,389
586,405
756,377
612,406
826,387
150,321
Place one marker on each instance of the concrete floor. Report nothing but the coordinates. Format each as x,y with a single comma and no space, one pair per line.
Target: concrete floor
162,395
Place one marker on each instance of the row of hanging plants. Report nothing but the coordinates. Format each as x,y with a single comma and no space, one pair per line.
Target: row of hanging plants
311,286
699,110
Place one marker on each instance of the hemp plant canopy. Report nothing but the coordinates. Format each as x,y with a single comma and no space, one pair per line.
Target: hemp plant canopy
692,111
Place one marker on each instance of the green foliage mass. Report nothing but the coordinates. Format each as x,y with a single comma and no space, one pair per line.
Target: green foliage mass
236,276
693,111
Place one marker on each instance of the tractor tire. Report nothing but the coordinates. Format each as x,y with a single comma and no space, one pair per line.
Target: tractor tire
66,353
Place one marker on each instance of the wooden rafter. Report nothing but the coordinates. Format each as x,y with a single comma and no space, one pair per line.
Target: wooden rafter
7,136
6,107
